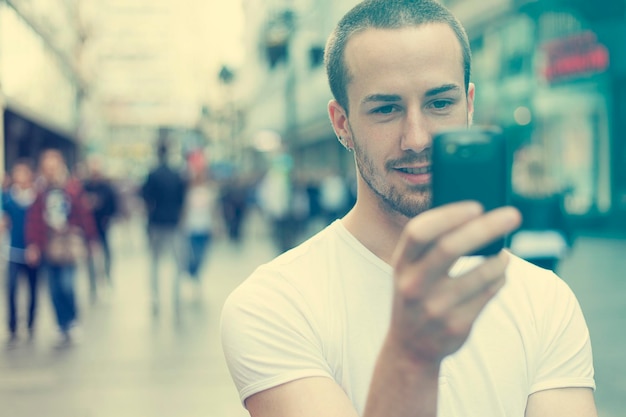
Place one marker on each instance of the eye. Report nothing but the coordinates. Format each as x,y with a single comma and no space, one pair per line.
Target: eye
388,109
441,104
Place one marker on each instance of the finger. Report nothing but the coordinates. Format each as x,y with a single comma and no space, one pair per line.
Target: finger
469,237
472,305
438,258
456,303
471,283
420,233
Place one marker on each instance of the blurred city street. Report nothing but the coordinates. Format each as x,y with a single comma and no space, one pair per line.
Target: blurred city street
197,116
128,363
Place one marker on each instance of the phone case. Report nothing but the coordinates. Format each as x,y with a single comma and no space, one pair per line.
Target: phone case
471,164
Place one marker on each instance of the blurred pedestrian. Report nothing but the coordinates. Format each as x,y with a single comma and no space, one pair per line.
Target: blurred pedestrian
163,193
300,209
101,198
275,196
334,197
58,229
16,201
545,235
234,201
199,218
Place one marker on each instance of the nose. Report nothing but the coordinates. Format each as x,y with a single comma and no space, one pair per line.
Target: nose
416,134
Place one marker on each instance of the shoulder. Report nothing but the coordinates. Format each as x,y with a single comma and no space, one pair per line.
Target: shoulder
537,295
529,289
292,271
274,325
297,283
526,276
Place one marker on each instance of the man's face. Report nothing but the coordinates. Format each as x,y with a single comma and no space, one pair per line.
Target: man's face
406,84
52,167
22,175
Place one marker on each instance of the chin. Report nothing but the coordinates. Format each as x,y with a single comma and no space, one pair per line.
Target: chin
410,208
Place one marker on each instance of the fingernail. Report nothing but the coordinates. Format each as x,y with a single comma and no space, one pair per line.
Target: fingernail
512,216
474,208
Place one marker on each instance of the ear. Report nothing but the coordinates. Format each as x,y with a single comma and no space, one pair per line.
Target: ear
471,91
339,119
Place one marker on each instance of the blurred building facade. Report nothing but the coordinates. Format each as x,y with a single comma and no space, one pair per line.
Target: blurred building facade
148,76
105,76
282,83
551,73
40,82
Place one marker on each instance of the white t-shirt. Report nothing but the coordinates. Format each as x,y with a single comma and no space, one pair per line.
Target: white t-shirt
199,209
323,309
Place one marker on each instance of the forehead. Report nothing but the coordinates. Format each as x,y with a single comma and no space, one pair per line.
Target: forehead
410,57
22,168
51,157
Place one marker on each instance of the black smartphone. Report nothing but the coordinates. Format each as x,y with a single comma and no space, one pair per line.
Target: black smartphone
471,164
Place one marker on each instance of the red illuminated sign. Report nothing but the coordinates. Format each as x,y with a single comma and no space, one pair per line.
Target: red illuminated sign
575,56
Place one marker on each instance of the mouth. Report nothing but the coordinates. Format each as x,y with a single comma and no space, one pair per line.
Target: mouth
415,176
415,171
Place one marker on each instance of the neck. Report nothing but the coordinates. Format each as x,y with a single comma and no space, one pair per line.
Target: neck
377,230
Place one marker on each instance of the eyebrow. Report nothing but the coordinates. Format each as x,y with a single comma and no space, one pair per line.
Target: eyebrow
391,98
442,89
387,98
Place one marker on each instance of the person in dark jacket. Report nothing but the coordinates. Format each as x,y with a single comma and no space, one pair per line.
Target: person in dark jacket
101,198
163,193
15,204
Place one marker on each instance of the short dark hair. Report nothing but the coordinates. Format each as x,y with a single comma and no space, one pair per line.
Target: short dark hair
23,161
385,14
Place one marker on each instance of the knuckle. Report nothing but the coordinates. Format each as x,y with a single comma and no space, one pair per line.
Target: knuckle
446,248
409,287
404,286
458,328
414,234
434,312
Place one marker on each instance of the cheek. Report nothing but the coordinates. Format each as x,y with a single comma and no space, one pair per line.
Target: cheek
371,136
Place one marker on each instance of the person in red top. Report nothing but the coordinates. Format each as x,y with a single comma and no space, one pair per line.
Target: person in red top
59,226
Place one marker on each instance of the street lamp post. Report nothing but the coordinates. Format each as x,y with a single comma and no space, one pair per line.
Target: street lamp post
229,116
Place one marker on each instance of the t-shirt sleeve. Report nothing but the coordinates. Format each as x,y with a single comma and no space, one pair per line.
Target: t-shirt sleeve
269,336
566,356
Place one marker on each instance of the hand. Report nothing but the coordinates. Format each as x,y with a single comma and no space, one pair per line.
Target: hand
433,313
32,255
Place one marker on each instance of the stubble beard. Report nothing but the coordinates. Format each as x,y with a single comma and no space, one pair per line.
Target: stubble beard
407,202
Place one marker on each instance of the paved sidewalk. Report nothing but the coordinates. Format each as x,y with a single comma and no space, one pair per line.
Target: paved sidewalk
596,271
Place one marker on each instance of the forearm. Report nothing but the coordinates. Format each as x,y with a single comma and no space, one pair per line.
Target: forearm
401,387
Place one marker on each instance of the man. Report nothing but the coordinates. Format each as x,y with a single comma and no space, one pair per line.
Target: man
101,198
58,228
164,194
382,314
16,202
